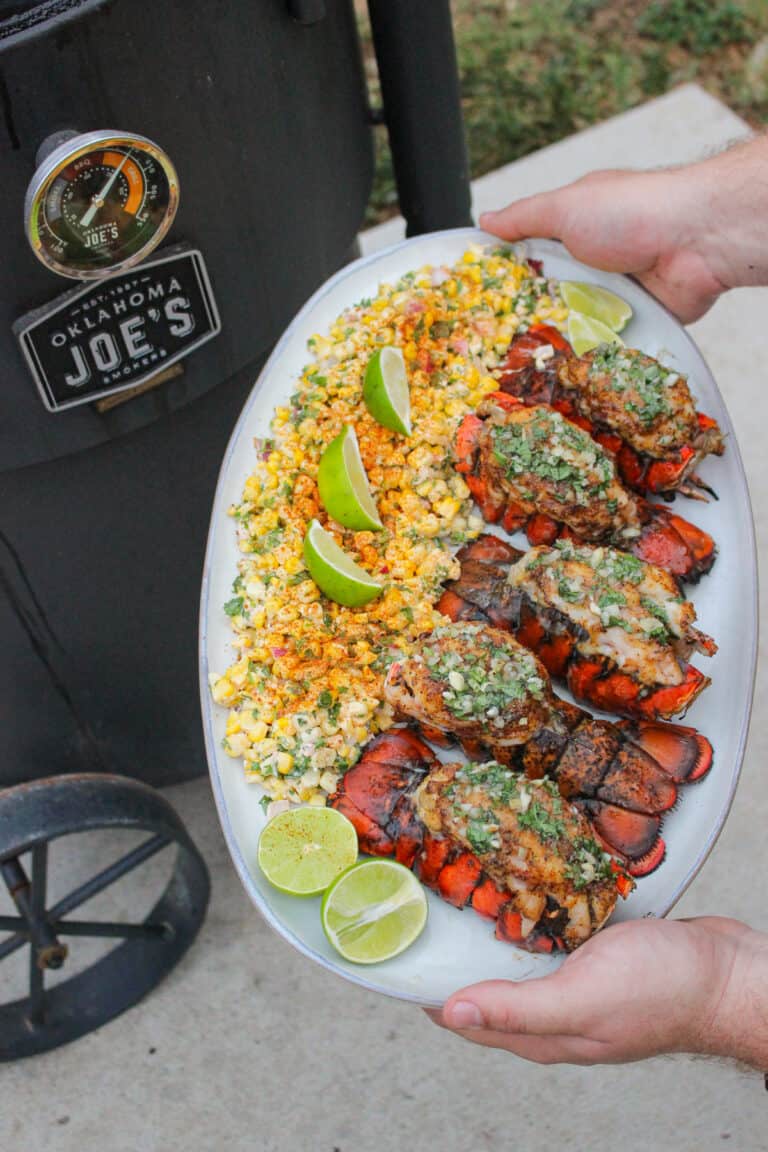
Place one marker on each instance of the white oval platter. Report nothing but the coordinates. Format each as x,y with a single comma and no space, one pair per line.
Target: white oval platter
458,947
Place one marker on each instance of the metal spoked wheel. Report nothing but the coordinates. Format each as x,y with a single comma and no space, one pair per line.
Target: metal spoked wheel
34,815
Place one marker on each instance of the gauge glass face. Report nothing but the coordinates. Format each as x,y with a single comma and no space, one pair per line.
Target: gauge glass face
103,206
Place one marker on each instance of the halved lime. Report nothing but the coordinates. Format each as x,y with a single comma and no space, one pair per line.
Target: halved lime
374,911
385,390
585,333
343,484
303,850
336,573
596,302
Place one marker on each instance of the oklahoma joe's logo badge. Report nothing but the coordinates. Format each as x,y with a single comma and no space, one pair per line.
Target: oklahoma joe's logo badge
120,331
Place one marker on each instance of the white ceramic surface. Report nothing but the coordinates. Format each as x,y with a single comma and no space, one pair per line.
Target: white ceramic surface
458,947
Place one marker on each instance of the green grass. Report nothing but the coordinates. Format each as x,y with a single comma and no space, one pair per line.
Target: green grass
533,72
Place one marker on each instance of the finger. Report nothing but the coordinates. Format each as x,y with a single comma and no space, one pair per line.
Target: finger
540,215
528,1008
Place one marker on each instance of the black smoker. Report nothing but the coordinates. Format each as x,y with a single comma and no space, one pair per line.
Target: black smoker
262,106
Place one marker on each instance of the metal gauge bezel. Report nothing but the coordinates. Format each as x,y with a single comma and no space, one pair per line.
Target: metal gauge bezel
67,153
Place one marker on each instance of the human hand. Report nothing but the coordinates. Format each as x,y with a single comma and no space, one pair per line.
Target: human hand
686,234
634,990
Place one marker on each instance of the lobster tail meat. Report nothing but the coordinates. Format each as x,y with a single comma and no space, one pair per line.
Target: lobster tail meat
484,837
638,409
474,682
531,467
614,627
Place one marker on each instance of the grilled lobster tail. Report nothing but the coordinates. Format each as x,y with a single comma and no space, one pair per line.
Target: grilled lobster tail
540,368
389,795
518,464
624,776
483,592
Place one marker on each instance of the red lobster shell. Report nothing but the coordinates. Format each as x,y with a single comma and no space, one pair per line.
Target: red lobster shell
664,539
532,383
481,593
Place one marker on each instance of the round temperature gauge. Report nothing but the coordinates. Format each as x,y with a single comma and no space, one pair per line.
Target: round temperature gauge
99,202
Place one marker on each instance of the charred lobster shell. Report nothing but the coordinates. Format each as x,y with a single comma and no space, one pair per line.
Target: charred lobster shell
482,593
379,796
658,536
535,381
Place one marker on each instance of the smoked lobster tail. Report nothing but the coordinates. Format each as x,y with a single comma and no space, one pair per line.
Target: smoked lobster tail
378,796
624,776
534,379
482,592
618,783
663,538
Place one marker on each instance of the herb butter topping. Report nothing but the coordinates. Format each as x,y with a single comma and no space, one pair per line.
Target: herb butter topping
481,792
483,679
631,371
621,590
546,445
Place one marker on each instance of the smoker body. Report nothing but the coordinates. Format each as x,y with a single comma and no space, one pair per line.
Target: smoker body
103,515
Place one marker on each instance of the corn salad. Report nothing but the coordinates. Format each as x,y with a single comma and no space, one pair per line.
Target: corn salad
305,690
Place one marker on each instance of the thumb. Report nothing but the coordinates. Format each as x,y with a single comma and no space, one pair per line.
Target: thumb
540,215
525,1008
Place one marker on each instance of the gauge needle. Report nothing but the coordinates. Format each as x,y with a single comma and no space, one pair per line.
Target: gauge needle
98,200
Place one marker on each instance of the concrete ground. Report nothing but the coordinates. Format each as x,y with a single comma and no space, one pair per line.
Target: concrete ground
247,1046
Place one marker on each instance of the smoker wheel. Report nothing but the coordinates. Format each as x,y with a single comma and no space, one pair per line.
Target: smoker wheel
31,817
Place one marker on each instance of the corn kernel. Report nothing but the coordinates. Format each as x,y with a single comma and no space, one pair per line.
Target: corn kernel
258,731
447,508
252,487
223,690
284,763
236,745
233,723
329,781
410,350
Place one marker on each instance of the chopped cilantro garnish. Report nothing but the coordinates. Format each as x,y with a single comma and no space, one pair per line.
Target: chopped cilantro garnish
550,447
481,682
479,836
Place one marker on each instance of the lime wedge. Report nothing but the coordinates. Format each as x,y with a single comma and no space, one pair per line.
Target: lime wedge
385,390
585,333
597,303
343,484
303,850
336,573
374,911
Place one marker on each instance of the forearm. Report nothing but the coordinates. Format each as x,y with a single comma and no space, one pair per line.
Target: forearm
738,1024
